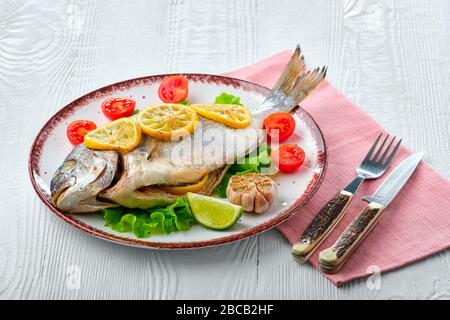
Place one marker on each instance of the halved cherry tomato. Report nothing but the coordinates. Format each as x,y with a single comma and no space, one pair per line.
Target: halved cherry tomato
279,124
77,129
288,158
116,108
173,89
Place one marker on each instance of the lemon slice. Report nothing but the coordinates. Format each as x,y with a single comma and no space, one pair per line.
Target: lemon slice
213,213
168,121
231,115
122,135
181,190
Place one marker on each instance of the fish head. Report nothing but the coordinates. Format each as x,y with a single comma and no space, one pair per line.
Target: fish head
77,183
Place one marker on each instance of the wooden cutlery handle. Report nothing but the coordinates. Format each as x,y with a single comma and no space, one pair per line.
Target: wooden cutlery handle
332,259
321,226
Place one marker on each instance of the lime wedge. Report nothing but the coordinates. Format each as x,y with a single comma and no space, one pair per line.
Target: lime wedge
213,213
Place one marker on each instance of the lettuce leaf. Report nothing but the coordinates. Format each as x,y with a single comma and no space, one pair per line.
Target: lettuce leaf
184,102
143,223
227,98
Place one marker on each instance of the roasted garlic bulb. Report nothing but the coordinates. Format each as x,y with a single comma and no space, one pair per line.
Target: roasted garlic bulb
253,191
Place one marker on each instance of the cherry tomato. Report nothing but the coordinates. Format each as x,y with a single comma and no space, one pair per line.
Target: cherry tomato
116,108
288,158
281,124
173,89
76,130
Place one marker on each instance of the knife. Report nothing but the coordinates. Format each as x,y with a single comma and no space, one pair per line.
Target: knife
333,258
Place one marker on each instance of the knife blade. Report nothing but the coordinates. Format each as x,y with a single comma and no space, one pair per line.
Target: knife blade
333,258
390,187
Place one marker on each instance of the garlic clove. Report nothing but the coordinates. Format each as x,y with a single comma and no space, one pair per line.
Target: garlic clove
233,196
261,203
248,198
269,190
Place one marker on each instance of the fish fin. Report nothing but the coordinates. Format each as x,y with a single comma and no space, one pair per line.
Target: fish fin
295,83
307,83
293,70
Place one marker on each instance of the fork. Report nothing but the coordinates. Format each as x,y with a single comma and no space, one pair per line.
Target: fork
372,167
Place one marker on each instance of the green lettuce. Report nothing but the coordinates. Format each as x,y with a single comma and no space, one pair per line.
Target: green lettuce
227,98
184,102
145,222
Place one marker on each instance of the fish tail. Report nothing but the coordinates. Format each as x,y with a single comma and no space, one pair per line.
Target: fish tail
294,84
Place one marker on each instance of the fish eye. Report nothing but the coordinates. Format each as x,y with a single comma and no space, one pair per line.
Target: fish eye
69,165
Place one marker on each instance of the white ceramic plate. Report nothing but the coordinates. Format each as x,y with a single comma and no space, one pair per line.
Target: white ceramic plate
51,147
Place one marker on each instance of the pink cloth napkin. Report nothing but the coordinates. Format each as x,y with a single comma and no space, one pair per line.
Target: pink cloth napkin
414,226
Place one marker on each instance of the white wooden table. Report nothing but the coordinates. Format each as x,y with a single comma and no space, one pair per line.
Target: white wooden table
391,57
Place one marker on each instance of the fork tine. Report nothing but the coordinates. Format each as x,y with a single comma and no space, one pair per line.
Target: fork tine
387,150
375,157
391,156
372,149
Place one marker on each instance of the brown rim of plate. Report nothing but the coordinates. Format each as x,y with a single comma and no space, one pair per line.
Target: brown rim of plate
62,114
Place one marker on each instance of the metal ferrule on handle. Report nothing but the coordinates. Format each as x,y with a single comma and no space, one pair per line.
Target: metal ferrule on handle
353,186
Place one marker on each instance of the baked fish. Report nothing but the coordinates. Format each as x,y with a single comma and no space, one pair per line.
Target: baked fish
91,180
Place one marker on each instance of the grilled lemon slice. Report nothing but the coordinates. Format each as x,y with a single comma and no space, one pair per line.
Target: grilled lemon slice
232,115
181,190
122,135
168,121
